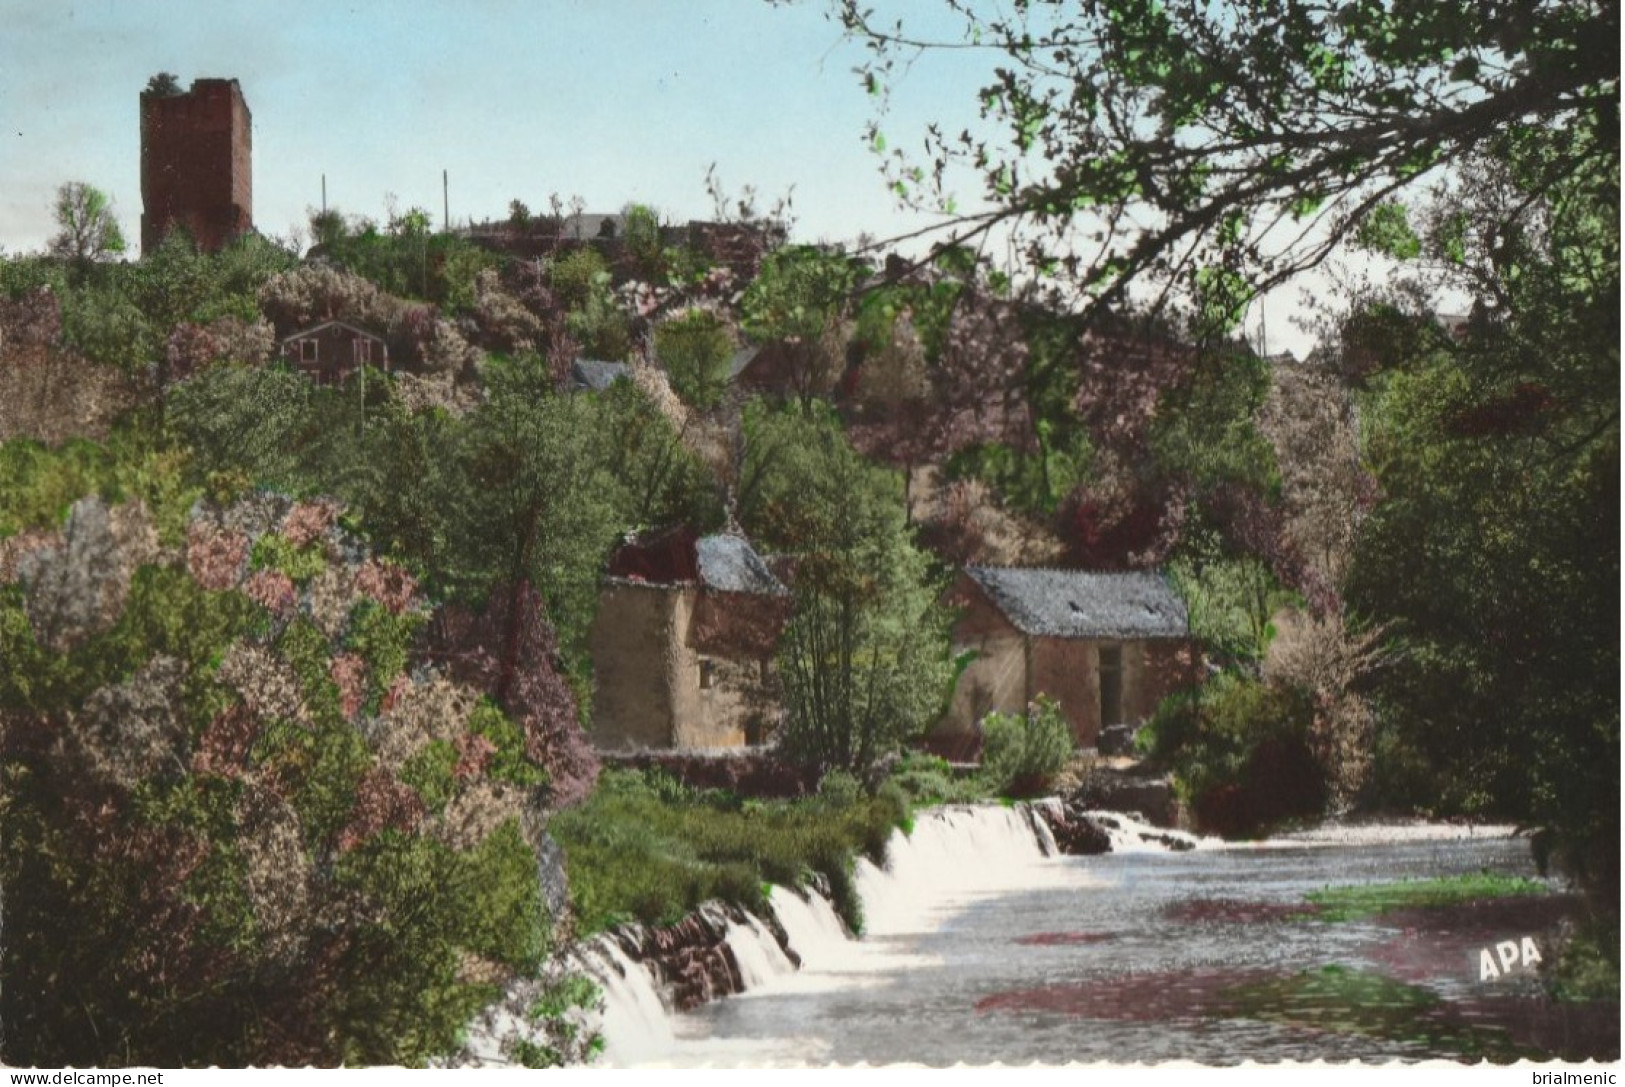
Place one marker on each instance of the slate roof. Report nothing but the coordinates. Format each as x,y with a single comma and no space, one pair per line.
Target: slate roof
595,375
1084,604
729,564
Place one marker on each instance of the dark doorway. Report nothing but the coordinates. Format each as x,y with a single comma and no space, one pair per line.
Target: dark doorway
1111,685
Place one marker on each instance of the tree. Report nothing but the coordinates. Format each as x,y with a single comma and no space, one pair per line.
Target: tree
643,243
695,348
164,85
1222,148
88,231
801,301
1494,553
864,659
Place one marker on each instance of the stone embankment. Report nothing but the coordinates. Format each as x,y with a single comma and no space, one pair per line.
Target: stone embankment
692,961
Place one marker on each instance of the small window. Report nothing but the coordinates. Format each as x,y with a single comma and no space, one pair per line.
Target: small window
708,674
307,350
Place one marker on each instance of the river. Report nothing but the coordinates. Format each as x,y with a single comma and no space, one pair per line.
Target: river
979,948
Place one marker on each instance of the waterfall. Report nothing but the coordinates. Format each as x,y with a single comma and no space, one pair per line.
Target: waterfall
951,857
757,952
637,1024
1131,835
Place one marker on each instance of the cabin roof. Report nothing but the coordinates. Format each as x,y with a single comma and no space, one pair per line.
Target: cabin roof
335,323
724,563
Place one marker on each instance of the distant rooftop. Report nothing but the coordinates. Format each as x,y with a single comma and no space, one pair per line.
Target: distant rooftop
596,375
1084,604
725,562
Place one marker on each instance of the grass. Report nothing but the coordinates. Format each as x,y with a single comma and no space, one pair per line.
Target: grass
646,848
1588,967
1370,899
1347,1001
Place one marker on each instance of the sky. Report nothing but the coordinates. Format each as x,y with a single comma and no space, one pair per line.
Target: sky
615,102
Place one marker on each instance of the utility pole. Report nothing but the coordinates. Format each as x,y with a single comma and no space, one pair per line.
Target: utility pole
445,203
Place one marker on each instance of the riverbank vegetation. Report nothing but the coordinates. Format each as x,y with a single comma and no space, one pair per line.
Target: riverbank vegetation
646,848
1367,899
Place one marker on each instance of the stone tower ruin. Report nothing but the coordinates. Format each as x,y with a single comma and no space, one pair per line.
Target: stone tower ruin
196,164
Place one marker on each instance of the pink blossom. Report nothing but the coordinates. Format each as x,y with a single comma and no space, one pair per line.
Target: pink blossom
272,590
381,803
473,753
223,748
350,673
308,521
214,556
386,583
398,688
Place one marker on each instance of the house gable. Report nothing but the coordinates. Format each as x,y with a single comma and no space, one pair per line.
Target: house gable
333,350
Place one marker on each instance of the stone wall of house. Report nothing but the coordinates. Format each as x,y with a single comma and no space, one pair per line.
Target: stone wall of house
653,689
1067,670
717,700
631,643
995,681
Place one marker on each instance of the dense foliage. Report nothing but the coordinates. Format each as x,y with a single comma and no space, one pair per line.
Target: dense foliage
1240,751
864,659
1495,550
239,826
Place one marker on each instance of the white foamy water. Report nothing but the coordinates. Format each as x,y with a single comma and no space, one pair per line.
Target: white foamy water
1370,833
637,1025
955,856
758,954
952,866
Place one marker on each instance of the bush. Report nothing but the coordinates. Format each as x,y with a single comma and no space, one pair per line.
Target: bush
235,824
1020,755
1239,750
926,779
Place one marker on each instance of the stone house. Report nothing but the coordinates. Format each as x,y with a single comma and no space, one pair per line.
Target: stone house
683,642
333,350
1107,646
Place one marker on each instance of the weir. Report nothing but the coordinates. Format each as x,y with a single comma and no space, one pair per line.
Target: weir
975,924
951,856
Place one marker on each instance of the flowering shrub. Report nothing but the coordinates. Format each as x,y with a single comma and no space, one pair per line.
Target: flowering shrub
240,824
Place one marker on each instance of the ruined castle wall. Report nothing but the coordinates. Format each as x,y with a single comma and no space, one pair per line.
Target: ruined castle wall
196,164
